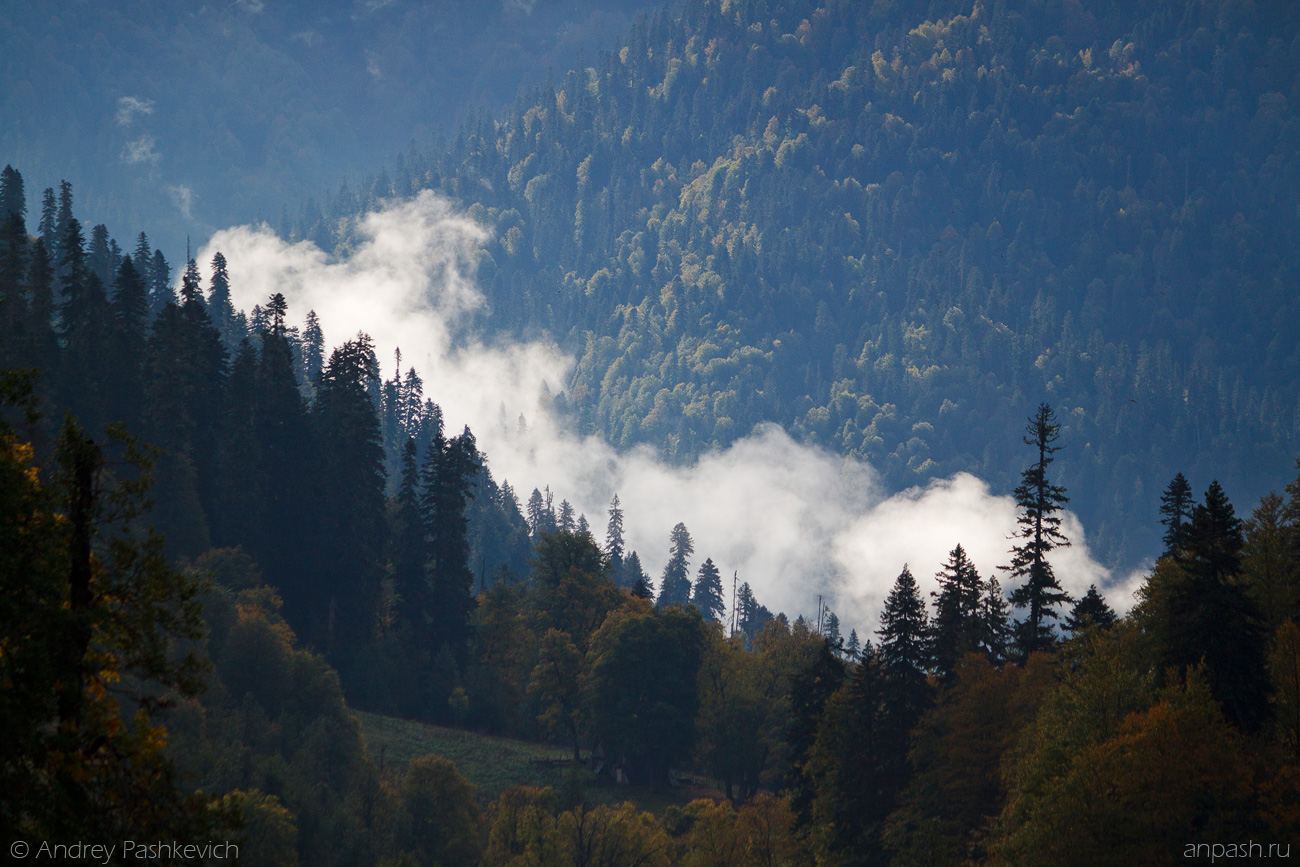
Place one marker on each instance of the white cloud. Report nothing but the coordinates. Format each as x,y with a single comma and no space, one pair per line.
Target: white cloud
310,38
128,107
182,197
141,150
253,7
795,521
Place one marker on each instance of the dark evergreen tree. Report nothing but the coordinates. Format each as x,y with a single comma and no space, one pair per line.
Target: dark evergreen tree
15,312
614,543
40,294
142,258
1206,616
48,227
640,587
130,309
706,595
349,506
955,631
1040,527
565,517
160,283
184,409
101,258
751,616
1090,611
859,765
831,630
63,218
675,584
85,377
313,346
13,197
853,647
904,649
996,632
809,692
449,467
219,305
1176,505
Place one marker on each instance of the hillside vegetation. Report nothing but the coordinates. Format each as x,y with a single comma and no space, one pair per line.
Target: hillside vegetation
894,228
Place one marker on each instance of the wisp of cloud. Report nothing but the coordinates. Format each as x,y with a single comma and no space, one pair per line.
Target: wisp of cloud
793,520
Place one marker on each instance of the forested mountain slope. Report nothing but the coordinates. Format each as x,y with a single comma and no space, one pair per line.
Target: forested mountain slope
896,227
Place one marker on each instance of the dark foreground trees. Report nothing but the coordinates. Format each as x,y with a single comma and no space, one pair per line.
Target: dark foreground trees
95,640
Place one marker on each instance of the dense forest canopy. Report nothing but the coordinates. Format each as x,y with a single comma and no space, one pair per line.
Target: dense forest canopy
894,228
255,588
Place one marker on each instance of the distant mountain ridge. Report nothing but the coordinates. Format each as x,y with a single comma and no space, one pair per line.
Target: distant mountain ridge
894,228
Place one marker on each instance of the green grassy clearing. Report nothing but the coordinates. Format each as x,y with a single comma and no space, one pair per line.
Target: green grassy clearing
493,764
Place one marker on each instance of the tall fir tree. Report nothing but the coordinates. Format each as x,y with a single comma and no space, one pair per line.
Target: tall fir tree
1207,616
48,226
706,595
997,636
349,506
615,545
13,196
130,309
449,468
1039,502
904,648
160,283
955,631
1176,505
1091,611
675,584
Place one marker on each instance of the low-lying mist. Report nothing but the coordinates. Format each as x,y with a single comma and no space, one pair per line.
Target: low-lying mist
793,520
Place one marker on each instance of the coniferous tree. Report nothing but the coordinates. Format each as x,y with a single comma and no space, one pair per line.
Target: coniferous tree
101,258
449,467
640,586
1206,615
16,323
853,647
160,283
809,692
996,633
84,331
565,517
831,629
142,258
40,293
313,342
130,310
536,521
48,226
1176,505
904,649
1039,501
614,542
675,585
707,593
220,307
1090,611
956,626
751,616
13,197
858,763
350,499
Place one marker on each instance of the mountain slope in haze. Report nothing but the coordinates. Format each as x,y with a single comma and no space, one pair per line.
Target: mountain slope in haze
182,118
895,228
